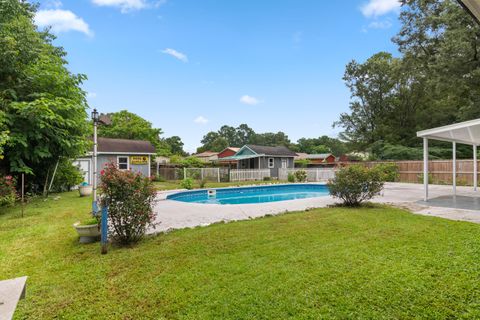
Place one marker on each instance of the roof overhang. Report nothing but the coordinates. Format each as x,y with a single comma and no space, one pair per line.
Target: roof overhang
472,7
467,132
241,157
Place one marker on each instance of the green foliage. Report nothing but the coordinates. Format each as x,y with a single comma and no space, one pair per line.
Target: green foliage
236,137
322,144
433,82
7,191
202,183
301,175
291,177
389,171
267,178
356,184
302,163
90,221
67,176
175,145
128,125
187,183
192,162
42,105
129,197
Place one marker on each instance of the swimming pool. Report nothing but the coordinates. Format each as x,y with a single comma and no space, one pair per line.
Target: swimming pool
258,194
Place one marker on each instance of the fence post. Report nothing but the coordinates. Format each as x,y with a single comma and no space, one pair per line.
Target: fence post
201,173
218,174
316,175
184,173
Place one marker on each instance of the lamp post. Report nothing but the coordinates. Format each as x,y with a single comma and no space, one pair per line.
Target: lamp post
104,216
95,118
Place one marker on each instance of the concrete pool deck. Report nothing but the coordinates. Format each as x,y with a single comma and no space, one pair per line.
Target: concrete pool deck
465,206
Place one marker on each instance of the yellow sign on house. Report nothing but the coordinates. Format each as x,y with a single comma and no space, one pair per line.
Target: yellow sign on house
139,160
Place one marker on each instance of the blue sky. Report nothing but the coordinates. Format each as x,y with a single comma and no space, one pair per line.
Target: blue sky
190,66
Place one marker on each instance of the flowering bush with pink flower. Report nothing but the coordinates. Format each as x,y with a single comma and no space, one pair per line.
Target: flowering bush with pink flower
7,191
129,197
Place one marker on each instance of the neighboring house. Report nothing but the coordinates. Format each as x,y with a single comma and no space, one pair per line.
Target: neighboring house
316,159
207,156
162,160
227,152
263,157
126,154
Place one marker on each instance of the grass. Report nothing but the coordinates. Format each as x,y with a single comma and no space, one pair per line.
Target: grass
332,263
175,184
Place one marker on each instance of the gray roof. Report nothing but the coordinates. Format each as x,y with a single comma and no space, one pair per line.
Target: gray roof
272,151
125,146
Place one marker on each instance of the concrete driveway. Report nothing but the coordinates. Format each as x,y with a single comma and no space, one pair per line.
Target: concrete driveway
173,214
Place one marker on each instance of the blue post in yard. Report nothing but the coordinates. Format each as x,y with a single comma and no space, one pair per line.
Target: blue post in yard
104,229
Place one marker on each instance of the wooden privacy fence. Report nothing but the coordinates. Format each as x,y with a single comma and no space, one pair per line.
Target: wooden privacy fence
313,174
248,174
440,171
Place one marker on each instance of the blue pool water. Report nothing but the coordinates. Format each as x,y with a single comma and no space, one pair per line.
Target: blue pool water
253,194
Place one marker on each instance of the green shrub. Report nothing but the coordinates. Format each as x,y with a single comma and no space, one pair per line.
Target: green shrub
291,177
129,197
355,184
302,163
7,191
389,171
202,183
267,178
67,176
301,175
187,183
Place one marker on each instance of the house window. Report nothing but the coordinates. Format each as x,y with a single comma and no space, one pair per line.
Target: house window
271,163
122,163
284,163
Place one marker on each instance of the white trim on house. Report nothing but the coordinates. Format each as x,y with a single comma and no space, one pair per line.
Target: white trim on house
272,165
149,167
128,162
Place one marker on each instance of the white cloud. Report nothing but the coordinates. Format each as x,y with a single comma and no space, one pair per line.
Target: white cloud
200,120
52,4
380,24
174,53
375,8
249,100
61,21
91,95
129,5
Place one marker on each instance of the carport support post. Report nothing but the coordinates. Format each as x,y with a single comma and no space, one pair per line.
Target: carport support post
425,168
475,168
454,167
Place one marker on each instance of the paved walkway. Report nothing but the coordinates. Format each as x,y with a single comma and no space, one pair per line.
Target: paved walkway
176,215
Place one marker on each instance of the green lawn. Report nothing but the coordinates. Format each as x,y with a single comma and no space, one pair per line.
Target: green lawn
327,263
175,184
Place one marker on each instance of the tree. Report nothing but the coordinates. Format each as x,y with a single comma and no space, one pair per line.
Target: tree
434,82
175,145
128,125
371,85
43,115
